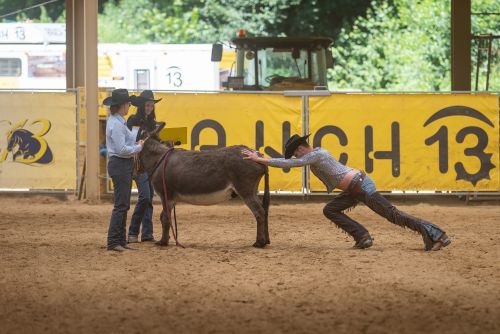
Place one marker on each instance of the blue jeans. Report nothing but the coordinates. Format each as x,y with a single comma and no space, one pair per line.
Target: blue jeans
143,211
120,171
368,185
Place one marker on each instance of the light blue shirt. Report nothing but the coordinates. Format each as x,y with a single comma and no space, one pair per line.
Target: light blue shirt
120,141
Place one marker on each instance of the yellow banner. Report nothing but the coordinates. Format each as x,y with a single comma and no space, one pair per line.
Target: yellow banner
102,94
413,141
38,140
260,121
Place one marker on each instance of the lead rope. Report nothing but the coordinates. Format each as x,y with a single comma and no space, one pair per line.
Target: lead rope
165,201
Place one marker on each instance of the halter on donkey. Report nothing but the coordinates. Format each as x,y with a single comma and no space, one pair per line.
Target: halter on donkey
203,178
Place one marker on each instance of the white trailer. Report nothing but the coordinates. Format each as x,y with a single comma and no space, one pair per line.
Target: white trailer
29,59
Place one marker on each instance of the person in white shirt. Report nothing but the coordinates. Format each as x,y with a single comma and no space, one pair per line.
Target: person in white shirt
121,147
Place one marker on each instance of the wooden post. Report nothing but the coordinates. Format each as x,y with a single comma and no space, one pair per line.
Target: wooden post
461,45
81,71
92,101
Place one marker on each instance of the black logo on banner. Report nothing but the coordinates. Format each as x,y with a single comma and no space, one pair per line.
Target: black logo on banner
441,137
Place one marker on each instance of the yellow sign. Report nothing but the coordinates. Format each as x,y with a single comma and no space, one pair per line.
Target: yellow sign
413,141
228,61
259,121
38,140
175,135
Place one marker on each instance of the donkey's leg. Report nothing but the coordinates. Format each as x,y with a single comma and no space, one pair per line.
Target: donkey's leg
164,229
165,224
255,206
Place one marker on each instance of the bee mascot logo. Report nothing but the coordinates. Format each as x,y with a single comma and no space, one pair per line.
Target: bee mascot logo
28,147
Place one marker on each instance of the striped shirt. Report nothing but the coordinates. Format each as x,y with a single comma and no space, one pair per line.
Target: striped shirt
328,169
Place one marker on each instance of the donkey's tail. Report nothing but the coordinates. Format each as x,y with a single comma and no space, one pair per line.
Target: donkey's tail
267,198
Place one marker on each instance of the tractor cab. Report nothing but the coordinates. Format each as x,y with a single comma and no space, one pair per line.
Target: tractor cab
278,63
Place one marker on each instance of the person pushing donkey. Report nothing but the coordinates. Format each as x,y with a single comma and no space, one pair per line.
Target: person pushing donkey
356,187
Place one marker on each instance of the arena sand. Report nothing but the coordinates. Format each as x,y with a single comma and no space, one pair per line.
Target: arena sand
57,277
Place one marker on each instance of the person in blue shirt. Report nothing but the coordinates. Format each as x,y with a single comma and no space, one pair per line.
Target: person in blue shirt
145,117
121,147
356,187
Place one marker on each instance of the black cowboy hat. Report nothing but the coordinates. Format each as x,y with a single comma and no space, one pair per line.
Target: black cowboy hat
292,144
146,95
118,96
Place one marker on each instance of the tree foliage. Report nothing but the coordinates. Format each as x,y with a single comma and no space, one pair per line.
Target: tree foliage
379,44
141,21
402,45
207,21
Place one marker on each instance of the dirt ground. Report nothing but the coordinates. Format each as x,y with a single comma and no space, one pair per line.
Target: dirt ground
57,277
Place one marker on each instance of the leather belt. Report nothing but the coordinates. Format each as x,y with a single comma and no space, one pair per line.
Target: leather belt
356,182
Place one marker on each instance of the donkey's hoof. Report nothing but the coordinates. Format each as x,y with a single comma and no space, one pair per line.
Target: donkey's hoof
161,243
258,244
268,242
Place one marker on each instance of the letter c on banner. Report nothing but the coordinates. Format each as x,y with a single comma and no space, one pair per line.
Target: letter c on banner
331,129
208,124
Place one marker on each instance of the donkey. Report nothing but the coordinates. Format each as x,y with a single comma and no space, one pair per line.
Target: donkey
203,178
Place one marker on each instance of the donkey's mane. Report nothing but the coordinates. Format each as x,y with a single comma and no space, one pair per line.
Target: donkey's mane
156,146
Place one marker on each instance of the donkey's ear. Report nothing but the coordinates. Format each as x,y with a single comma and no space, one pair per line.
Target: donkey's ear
159,127
140,134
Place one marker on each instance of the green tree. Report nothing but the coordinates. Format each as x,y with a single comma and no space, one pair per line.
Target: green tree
398,46
207,21
402,45
280,17
485,25
141,21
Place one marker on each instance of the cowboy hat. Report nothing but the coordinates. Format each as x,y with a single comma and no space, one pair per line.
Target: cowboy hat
292,144
118,96
146,95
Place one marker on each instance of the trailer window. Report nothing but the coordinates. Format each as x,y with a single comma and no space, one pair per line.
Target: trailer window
141,79
47,66
10,67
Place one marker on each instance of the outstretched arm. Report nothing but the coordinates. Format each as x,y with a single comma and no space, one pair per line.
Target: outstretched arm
254,156
280,162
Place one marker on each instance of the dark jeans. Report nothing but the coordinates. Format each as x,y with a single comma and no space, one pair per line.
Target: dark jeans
143,211
120,171
379,204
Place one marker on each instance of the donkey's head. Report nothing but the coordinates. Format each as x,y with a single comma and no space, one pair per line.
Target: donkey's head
152,148
144,134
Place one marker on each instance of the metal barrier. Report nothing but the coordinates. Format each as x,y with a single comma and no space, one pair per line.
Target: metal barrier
264,120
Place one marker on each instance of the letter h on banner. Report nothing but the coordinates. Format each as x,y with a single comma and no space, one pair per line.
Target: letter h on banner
394,154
